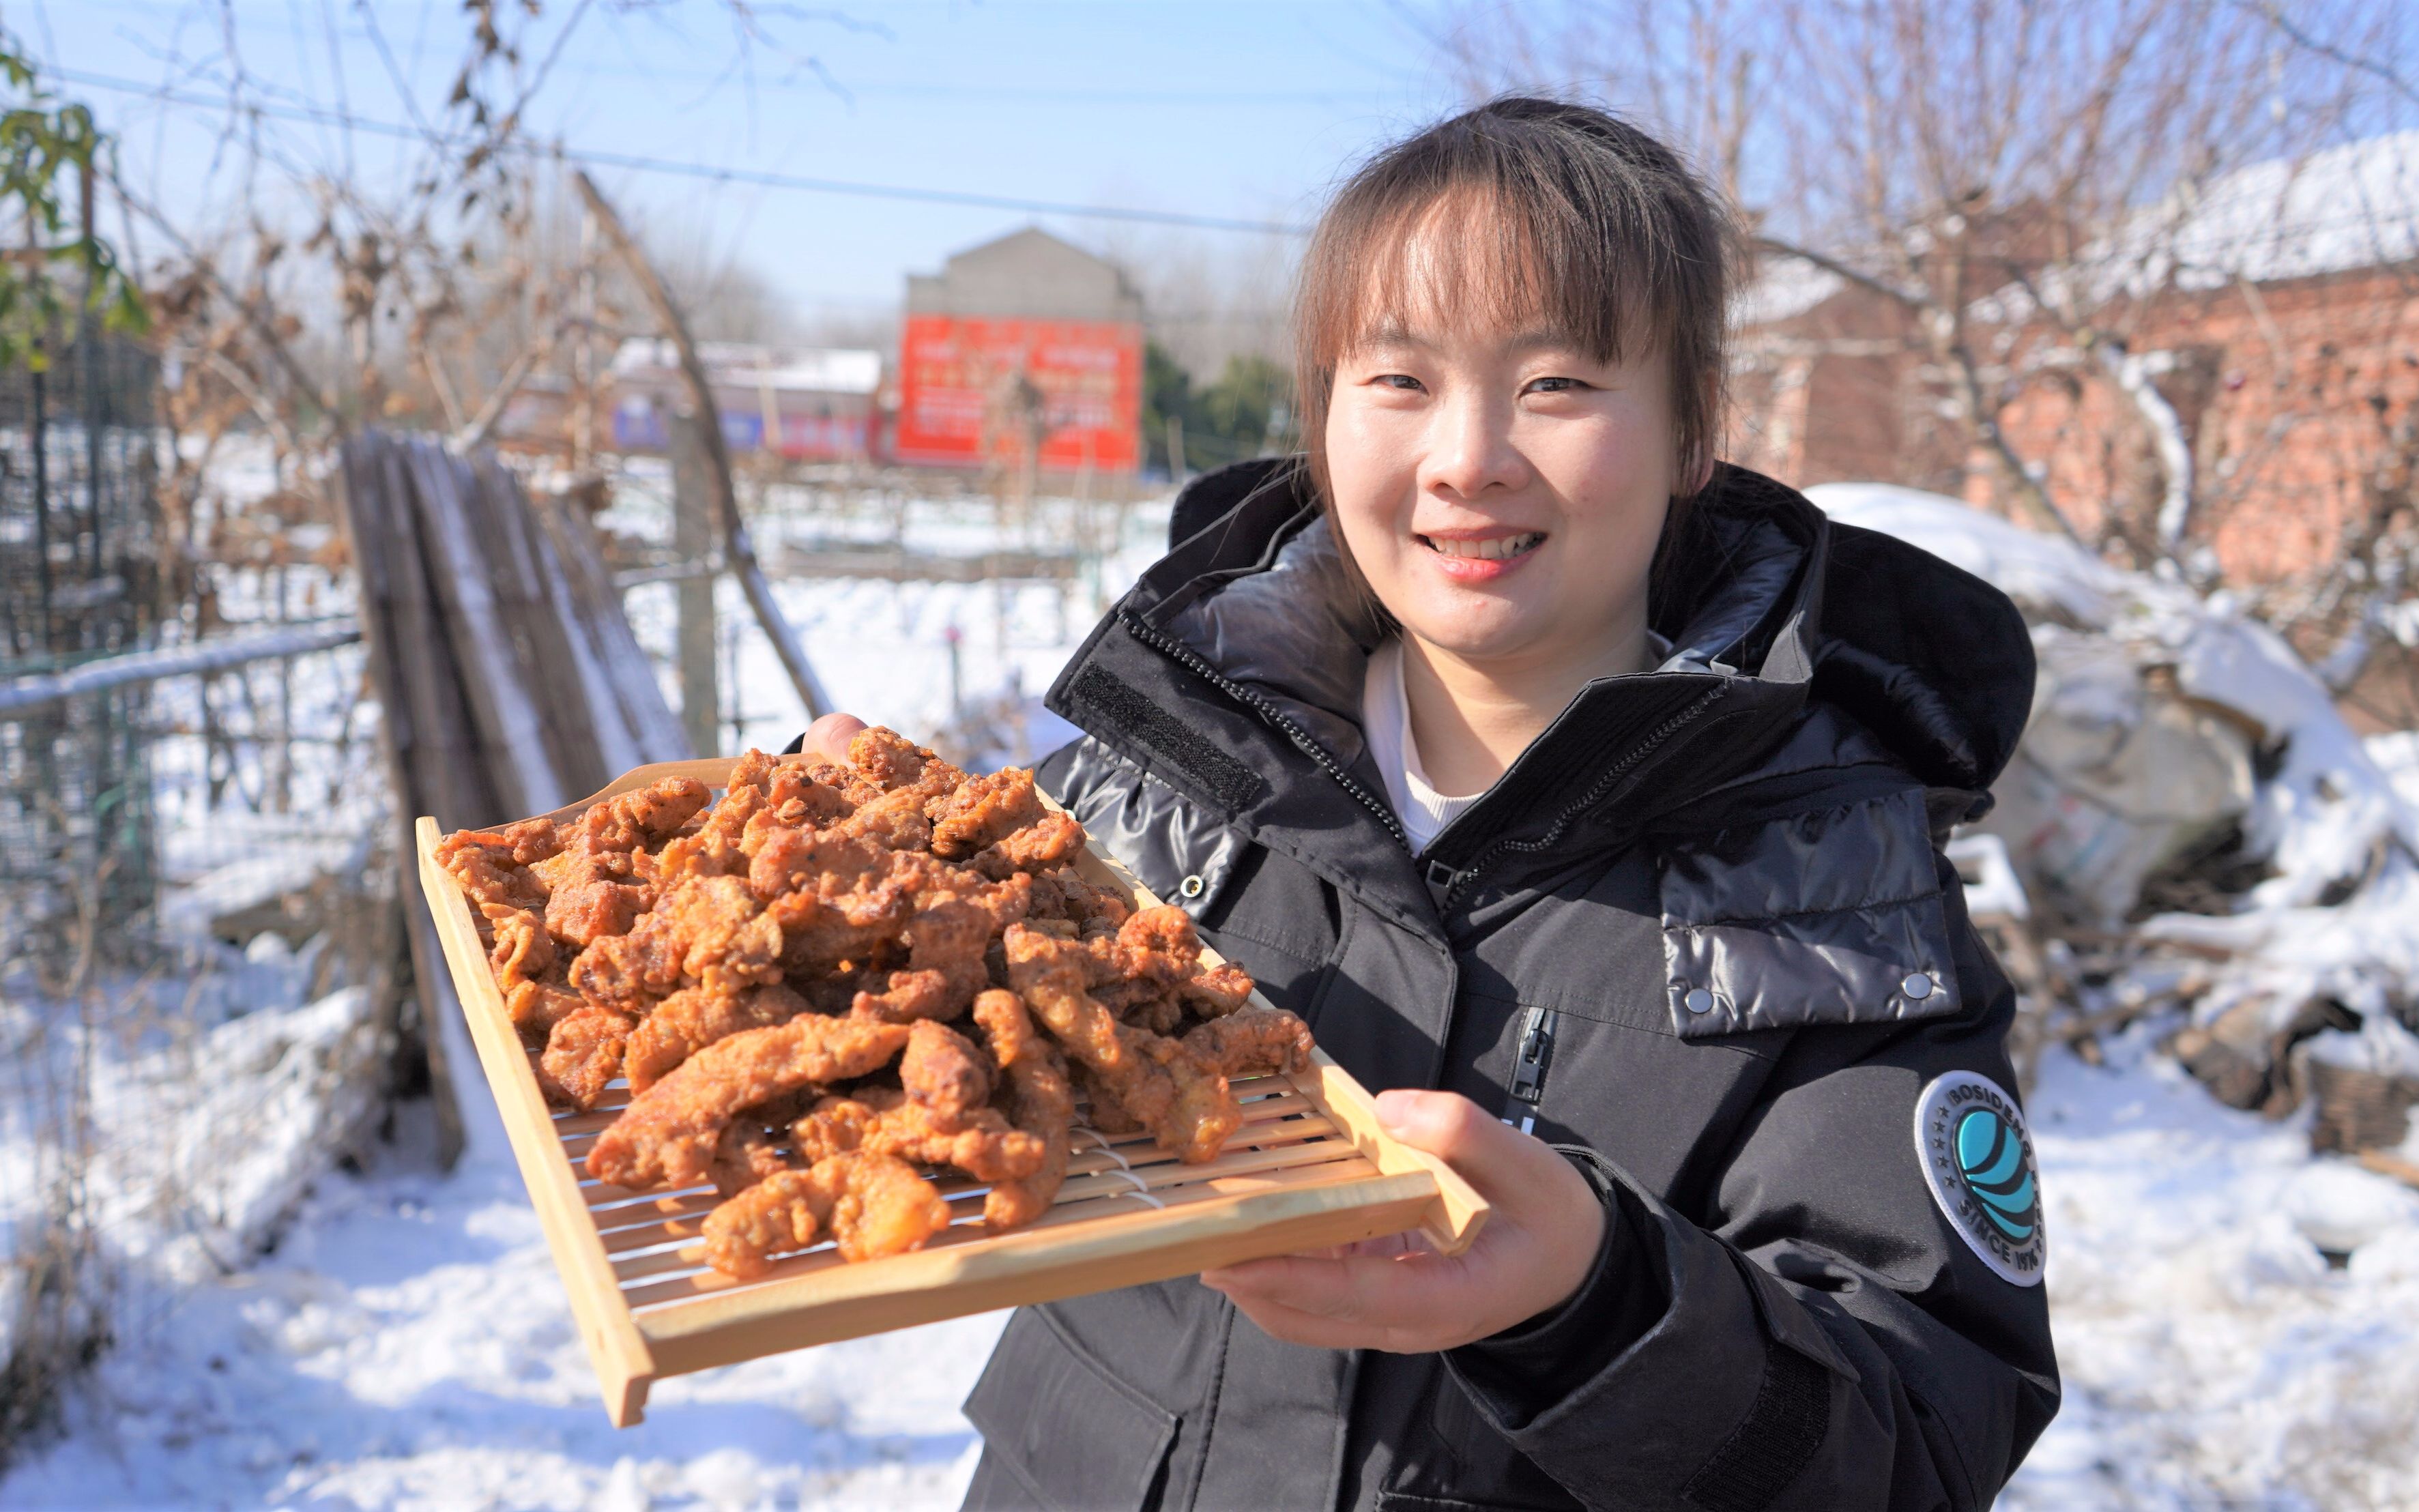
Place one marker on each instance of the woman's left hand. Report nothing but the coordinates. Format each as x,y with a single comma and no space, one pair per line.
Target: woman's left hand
1398,1295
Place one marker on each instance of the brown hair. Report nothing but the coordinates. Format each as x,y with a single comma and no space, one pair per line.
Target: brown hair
1565,212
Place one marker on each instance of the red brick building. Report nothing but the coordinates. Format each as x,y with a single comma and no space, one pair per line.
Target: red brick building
2278,317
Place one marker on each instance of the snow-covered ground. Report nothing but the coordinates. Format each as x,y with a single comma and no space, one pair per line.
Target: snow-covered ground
2211,1357
406,1343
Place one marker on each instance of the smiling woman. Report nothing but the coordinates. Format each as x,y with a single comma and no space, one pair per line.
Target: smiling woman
1584,794
1512,359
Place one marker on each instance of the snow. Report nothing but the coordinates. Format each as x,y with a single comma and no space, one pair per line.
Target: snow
2210,1356
2347,207
2322,821
406,1342
408,1345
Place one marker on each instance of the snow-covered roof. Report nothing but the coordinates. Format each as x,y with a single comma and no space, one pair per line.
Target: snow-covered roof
2350,207
741,364
1784,289
2355,206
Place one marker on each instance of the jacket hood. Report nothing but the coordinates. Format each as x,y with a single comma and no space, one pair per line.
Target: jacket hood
1933,661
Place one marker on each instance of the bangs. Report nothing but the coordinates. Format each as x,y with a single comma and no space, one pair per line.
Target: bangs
1473,257
1529,217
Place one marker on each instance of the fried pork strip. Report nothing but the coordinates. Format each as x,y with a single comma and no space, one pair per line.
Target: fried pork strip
941,1071
668,1132
708,930
1040,1102
744,1155
1252,1041
583,1054
633,821
871,1205
694,1017
1184,1101
883,1120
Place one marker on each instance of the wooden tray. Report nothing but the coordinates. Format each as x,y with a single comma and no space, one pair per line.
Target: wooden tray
1309,1167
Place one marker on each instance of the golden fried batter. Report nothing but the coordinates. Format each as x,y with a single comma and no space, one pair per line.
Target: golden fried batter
1108,1115
744,1155
881,1120
871,1206
1040,1102
583,1053
1252,1041
1219,990
523,951
755,966
944,966
588,900
1184,1103
538,1007
1053,977
487,864
1053,839
723,938
667,1133
780,1214
694,1017
892,761
942,1070
648,816
981,812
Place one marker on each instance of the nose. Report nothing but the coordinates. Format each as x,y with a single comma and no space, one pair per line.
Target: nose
1470,446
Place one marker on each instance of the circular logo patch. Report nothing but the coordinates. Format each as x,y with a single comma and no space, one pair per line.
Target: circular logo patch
1977,1157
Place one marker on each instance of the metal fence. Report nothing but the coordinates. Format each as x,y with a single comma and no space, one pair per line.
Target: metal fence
199,921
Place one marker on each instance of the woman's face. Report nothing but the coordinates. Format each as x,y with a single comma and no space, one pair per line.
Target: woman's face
1502,491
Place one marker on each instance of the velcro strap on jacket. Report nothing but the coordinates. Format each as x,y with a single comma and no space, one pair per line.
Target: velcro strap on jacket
1782,1432
1129,712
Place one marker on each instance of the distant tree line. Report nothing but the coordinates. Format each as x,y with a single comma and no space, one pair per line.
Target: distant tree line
1247,411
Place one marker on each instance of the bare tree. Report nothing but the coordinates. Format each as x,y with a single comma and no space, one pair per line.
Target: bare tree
2013,179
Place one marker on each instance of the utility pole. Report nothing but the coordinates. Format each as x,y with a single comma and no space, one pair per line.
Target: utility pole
693,593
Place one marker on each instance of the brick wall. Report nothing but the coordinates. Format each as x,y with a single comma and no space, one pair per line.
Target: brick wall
2288,390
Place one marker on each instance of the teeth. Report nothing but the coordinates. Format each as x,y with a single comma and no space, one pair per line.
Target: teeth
1491,550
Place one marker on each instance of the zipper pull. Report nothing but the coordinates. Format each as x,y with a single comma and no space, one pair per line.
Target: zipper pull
1529,1061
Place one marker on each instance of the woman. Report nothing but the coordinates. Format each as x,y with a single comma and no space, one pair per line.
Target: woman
1586,792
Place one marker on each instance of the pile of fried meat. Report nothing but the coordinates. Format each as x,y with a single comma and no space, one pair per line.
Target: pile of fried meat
839,982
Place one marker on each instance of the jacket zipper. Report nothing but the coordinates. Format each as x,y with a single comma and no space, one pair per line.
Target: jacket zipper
1199,666
1530,1056
1595,794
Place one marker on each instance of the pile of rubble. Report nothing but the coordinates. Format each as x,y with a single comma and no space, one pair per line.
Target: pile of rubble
2190,829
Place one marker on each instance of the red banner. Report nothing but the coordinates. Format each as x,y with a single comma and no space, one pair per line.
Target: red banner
975,391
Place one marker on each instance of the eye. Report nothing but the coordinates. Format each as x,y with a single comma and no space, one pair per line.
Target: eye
1402,382
1554,385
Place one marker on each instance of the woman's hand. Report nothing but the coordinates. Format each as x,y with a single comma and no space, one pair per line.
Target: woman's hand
828,737
1398,1295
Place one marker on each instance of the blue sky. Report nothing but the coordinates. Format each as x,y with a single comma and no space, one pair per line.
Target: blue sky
1239,109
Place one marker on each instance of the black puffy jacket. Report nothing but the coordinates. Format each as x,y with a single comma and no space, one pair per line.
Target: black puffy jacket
1700,932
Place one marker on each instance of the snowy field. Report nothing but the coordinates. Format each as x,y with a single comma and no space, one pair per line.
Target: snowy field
404,1343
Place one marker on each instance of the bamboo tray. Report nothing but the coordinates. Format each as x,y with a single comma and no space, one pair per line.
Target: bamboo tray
1309,1167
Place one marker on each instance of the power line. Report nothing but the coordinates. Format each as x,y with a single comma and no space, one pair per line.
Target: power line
317,115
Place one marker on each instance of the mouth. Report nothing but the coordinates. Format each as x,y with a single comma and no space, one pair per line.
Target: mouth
1491,548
